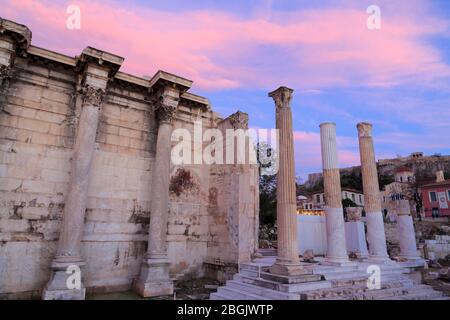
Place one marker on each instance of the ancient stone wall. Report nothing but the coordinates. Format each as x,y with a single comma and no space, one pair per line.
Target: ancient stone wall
39,114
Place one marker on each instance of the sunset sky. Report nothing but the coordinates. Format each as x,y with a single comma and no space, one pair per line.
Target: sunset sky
398,77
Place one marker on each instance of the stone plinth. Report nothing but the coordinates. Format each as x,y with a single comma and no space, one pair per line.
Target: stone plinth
336,246
154,279
312,234
287,262
356,239
374,217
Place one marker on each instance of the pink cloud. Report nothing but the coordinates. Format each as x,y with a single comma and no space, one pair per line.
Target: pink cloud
322,47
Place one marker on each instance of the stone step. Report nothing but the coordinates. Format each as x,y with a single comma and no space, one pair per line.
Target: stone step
268,252
235,294
307,277
218,296
351,291
419,295
288,288
260,291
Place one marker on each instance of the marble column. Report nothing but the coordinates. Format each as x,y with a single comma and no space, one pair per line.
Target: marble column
405,229
154,279
372,199
336,244
287,262
71,232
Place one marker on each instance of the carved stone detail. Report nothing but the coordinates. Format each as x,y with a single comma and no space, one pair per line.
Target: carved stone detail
5,76
165,112
239,120
364,129
92,95
166,106
282,97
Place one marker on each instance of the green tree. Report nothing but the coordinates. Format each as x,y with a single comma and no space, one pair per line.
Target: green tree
266,157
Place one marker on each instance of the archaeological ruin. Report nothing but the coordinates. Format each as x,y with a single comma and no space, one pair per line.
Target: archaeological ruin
86,178
89,187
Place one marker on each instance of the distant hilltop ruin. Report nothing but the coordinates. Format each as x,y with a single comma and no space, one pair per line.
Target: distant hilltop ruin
424,167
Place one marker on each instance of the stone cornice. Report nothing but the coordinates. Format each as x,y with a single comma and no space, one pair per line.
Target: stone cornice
52,56
22,36
163,79
108,60
194,100
18,32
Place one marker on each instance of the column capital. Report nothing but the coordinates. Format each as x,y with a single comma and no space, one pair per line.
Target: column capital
282,97
92,95
239,120
364,129
166,103
327,124
5,74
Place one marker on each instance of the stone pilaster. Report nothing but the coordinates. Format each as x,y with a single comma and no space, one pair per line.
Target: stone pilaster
154,279
287,262
336,244
374,218
406,234
14,39
94,81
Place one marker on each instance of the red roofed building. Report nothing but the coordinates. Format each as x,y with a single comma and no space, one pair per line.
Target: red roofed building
436,197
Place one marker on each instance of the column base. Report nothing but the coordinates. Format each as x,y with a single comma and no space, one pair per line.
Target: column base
154,280
379,260
412,261
362,255
58,288
256,255
288,269
339,262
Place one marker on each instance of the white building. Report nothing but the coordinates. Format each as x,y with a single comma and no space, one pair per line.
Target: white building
356,196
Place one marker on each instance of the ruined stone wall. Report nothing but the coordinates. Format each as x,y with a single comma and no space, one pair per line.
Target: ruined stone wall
38,120
36,138
233,212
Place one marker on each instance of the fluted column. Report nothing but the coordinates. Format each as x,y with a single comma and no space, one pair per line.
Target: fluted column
405,229
154,278
336,244
71,232
372,200
287,262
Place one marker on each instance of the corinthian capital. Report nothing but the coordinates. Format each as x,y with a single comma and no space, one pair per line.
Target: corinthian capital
364,129
166,105
282,97
92,95
5,75
239,120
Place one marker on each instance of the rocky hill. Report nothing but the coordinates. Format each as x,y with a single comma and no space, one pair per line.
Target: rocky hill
424,168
